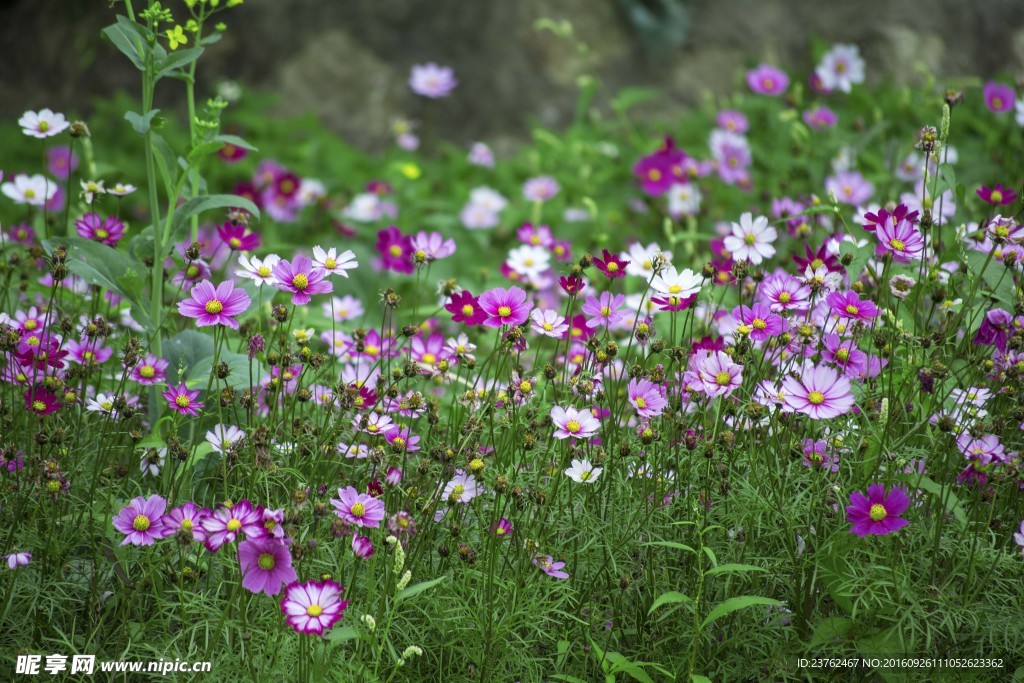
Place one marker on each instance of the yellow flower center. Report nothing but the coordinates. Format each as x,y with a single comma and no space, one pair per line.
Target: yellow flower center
852,310
234,525
395,250
500,531
504,311
182,401
817,263
33,341
612,267
30,325
263,271
300,282
605,311
186,524
996,196
140,523
896,244
584,476
429,358
266,562
572,426
235,242
816,398
458,490
843,355
750,239
330,264
759,324
45,126
525,386
785,297
107,405
640,402
723,379
213,307
147,372
476,464
38,406
102,234
358,510
654,174
878,512
314,610
744,329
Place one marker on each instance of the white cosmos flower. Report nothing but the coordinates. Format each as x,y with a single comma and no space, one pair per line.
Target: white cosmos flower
332,262
751,239
489,199
34,190
684,199
43,124
642,259
583,472
680,284
101,404
529,261
260,271
223,437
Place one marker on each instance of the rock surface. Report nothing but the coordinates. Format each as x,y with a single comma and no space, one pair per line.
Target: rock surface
349,61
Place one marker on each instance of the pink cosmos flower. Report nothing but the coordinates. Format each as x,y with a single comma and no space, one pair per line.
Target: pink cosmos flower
574,424
540,189
223,525
714,373
983,450
362,547
647,397
505,307
187,519
300,277
767,80
820,393
840,68
215,306
817,456
999,97
266,565
431,246
107,230
548,323
758,321
605,310
877,513
849,305
150,370
181,400
433,81
849,187
15,560
402,440
40,400
314,606
235,236
820,117
142,521
61,162
551,568
845,354
902,240
359,509
732,121
783,292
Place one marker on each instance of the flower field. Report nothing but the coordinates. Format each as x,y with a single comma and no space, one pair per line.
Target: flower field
737,396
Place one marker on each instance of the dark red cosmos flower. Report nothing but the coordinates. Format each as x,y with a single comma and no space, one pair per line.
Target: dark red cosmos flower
41,401
465,308
998,195
900,213
817,259
235,236
611,265
571,284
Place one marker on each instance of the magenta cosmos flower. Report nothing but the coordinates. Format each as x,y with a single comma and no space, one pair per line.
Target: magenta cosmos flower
141,521
300,277
433,81
41,400
999,97
820,117
505,307
877,513
820,393
218,305
357,508
314,606
998,195
107,230
151,370
714,373
767,80
266,565
647,397
225,523
611,265
465,308
235,236
551,568
396,251
572,423
181,400
604,310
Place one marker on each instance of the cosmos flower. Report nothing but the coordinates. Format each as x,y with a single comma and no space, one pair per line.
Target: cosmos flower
332,263
767,80
395,250
215,306
849,305
142,521
548,323
41,401
574,424
260,271
540,189
181,400
432,81
715,373
15,560
611,265
35,190
551,568
237,238
223,437
362,547
647,397
751,239
313,607
505,307
998,195
358,509
820,393
849,187
759,322
300,277
604,310
461,488
266,565
43,124
150,370
901,239
481,155
186,521
877,513
840,68
431,246
583,472
223,525
999,97
107,230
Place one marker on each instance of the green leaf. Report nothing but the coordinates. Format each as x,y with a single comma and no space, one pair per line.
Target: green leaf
733,569
178,59
141,123
166,162
342,635
185,352
238,365
828,629
198,205
670,598
236,141
733,604
413,591
129,42
673,545
204,149
941,493
630,97
697,678
632,669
